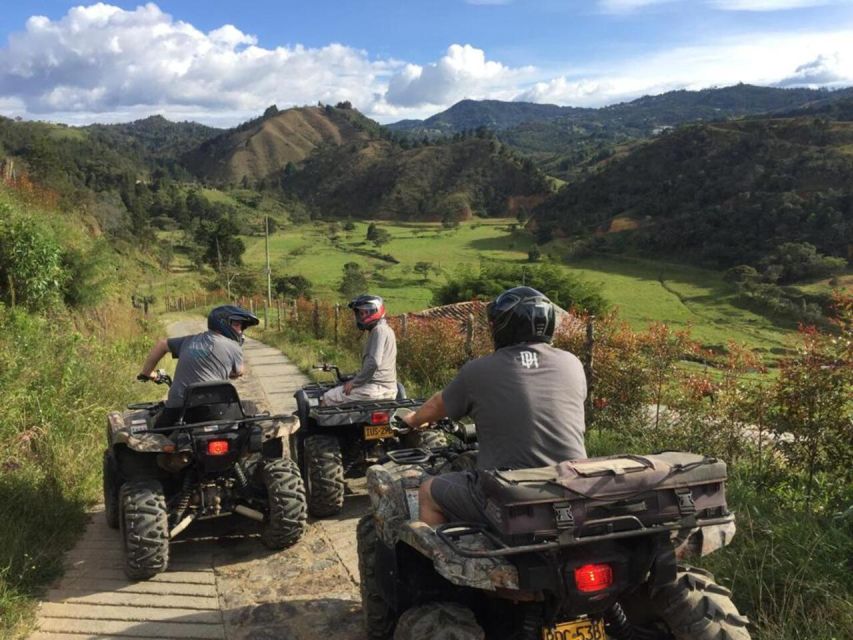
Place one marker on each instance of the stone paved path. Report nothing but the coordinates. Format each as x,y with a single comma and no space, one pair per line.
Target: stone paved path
222,584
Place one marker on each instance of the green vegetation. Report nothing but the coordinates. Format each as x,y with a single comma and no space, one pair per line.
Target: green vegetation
68,357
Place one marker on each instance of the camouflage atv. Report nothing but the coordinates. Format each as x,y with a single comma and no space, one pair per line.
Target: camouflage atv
586,550
221,457
335,443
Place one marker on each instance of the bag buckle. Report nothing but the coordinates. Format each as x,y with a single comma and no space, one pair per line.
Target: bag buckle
564,516
686,505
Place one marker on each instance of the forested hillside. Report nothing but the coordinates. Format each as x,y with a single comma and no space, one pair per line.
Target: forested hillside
450,182
560,139
722,194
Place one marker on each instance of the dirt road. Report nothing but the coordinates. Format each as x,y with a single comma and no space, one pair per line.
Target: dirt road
222,584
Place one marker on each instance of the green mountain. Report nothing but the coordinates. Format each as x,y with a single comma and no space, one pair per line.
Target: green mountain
154,136
261,147
561,139
724,194
380,179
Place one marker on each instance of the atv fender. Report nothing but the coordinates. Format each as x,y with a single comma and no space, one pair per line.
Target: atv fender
280,428
700,541
387,486
144,442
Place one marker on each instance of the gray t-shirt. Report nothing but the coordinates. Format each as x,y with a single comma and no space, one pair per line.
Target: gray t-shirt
527,401
203,357
379,358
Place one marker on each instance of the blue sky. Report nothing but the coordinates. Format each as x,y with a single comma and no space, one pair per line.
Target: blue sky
223,62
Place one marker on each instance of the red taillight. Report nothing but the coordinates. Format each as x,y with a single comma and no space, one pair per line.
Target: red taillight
379,417
217,447
593,577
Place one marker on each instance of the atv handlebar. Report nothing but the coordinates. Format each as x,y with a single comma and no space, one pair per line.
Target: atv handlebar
331,368
160,377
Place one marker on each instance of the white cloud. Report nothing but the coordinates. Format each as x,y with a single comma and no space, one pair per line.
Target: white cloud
104,60
769,5
463,72
826,70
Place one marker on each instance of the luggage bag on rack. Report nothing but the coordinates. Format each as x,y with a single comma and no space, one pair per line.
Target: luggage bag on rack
599,496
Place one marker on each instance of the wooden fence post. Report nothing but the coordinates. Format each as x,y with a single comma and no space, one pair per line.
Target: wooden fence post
266,321
295,311
280,306
589,363
337,314
469,336
404,326
316,319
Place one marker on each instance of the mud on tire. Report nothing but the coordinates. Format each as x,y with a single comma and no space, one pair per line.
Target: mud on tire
145,528
694,607
111,492
430,439
439,621
324,475
379,618
287,514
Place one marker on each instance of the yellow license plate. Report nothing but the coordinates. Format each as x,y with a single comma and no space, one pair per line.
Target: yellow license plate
577,630
377,431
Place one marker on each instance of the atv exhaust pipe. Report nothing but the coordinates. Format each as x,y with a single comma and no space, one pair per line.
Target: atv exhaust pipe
183,524
243,510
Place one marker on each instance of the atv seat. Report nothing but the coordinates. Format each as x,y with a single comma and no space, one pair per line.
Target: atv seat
207,401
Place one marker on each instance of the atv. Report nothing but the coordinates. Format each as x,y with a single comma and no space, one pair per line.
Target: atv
339,442
220,457
584,550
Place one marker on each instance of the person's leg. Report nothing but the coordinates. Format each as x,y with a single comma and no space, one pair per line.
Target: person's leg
428,510
334,396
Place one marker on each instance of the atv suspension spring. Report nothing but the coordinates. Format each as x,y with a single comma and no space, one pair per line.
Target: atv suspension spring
183,501
617,623
240,475
531,624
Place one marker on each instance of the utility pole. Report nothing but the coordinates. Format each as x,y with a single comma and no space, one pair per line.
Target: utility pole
267,248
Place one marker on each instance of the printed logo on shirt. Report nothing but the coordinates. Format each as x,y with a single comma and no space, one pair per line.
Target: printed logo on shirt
529,359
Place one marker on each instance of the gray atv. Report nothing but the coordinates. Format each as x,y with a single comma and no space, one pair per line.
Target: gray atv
585,550
220,457
336,443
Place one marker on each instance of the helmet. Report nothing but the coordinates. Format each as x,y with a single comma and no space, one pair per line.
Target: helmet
220,320
373,305
521,314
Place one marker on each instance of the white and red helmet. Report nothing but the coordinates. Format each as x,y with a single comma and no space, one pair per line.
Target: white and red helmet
368,310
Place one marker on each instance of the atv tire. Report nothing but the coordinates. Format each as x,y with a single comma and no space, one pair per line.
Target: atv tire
324,475
111,491
287,512
694,607
430,439
439,621
144,528
379,618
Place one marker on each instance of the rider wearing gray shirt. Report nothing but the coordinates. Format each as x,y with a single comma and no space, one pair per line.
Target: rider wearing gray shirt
526,398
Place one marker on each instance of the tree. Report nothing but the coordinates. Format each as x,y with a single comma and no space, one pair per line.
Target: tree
371,230
31,270
381,236
534,254
423,268
295,286
354,281
220,242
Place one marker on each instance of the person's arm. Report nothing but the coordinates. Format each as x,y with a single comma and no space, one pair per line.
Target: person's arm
430,411
369,363
160,349
238,369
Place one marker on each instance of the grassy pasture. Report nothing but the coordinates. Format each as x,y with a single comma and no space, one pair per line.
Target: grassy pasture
645,291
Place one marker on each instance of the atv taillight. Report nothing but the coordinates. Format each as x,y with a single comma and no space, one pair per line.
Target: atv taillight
593,577
217,447
379,417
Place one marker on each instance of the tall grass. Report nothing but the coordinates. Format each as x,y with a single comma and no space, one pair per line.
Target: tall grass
60,375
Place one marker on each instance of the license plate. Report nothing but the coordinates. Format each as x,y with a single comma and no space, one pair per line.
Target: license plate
577,630
377,431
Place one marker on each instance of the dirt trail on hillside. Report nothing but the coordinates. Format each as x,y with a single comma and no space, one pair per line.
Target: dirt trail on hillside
222,584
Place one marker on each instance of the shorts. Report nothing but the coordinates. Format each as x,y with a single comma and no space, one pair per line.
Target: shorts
458,496
335,395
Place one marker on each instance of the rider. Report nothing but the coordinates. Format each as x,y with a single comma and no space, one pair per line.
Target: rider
377,378
216,354
526,398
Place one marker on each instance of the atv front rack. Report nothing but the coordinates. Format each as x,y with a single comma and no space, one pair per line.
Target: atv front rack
366,406
451,534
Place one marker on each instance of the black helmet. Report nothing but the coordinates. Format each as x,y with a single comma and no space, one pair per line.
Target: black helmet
521,314
375,307
220,320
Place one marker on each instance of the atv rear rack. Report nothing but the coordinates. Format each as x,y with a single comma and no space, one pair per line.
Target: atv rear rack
452,532
216,423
